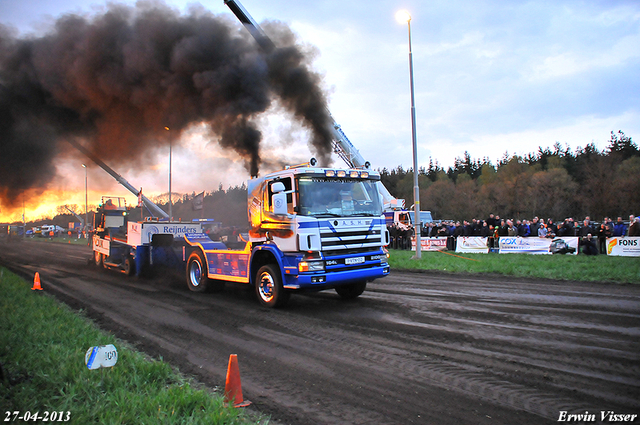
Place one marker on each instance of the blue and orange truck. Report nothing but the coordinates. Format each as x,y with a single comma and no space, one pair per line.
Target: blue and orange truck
310,229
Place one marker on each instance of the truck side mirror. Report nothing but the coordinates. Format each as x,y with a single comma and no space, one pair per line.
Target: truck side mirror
279,199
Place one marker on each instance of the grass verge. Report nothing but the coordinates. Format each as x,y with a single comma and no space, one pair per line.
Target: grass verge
62,239
42,351
600,268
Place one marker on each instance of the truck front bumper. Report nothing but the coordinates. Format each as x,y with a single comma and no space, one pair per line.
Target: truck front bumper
318,281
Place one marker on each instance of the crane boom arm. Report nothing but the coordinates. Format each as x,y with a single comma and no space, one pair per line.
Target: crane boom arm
152,206
341,144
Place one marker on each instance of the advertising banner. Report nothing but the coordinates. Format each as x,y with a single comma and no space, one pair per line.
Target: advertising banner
624,246
565,245
142,233
472,244
514,244
430,244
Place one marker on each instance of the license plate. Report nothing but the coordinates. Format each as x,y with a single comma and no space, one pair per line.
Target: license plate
354,260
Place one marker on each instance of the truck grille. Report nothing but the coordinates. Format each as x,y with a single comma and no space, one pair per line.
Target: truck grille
350,240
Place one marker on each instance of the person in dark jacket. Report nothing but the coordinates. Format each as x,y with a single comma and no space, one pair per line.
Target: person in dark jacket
602,233
588,245
619,229
523,229
503,229
491,221
534,225
486,231
587,241
552,229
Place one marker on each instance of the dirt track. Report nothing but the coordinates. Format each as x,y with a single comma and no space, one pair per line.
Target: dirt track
414,348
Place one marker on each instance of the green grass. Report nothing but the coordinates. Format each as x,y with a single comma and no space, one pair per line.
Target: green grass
599,268
63,239
42,351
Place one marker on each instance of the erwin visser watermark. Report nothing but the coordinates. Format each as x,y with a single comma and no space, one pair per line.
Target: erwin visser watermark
604,416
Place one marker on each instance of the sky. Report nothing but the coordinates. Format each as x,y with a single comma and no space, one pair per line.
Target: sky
491,77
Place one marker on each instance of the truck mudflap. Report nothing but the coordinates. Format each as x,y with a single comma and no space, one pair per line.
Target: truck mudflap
333,279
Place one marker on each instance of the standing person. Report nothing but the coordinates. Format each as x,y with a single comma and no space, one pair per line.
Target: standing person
524,229
486,231
534,225
491,221
619,229
552,229
393,233
634,228
632,219
587,241
503,230
542,230
602,238
609,224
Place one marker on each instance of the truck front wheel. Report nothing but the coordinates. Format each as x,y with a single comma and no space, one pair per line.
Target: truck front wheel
197,278
352,290
269,287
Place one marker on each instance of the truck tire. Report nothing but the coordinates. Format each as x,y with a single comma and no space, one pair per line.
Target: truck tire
129,266
197,278
351,291
97,258
269,287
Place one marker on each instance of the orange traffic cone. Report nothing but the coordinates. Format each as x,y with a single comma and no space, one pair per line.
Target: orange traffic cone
36,283
233,387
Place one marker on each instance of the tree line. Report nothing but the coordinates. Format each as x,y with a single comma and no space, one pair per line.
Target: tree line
551,183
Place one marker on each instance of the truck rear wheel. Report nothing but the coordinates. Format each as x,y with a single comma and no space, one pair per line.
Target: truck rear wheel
197,278
129,266
269,287
97,258
352,290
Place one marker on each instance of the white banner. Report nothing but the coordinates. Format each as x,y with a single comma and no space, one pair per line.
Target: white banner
472,244
514,244
430,244
624,246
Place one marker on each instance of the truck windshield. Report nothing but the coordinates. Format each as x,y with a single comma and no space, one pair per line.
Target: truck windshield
335,197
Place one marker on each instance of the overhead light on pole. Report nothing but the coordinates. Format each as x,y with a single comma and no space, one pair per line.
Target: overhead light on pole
86,223
403,16
170,211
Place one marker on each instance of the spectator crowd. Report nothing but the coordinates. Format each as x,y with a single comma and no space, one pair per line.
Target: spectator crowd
592,235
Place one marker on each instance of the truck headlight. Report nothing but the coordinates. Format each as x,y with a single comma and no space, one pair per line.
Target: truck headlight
382,258
311,266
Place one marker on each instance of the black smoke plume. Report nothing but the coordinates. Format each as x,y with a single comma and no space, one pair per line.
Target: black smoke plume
116,80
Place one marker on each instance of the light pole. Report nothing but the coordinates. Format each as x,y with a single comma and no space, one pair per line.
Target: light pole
403,16
170,211
86,223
